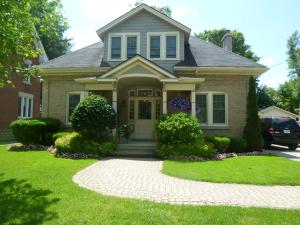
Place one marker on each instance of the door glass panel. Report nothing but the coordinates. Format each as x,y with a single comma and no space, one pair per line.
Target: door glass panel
131,109
145,110
157,110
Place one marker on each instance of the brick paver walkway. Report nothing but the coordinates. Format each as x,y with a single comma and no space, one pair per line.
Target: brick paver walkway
142,179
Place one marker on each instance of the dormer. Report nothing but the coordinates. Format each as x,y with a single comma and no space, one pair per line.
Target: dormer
146,32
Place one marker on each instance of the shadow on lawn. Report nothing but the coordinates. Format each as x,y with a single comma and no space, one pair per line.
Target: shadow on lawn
20,203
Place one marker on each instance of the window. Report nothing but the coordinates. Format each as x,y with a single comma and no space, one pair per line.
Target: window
211,108
171,46
131,109
201,108
218,108
72,101
122,46
157,109
155,47
116,47
163,45
27,80
131,46
28,64
25,105
145,109
145,93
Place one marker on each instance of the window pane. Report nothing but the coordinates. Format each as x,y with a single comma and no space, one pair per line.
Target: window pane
131,110
24,112
157,109
155,47
201,108
145,110
219,108
116,47
145,93
20,107
131,46
74,99
29,107
171,47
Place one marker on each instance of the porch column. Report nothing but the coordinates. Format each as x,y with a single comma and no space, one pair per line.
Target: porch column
114,97
164,101
193,103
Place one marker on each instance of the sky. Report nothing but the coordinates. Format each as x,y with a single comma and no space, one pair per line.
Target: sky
266,24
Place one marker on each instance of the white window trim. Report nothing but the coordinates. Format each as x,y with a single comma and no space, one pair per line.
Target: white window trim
25,95
209,105
27,80
83,94
123,44
163,49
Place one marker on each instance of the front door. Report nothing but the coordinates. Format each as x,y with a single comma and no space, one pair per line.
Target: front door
144,123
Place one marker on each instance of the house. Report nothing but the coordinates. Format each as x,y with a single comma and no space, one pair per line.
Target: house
22,99
274,111
143,61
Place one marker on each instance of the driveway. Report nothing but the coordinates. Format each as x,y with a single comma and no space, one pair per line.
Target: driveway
285,152
142,179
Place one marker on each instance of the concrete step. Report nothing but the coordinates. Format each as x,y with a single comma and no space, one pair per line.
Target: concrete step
135,149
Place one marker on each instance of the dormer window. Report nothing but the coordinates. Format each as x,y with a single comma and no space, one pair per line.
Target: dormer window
154,46
171,46
131,46
163,45
116,47
122,46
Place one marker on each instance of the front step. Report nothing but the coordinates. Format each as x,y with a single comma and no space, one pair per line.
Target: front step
135,149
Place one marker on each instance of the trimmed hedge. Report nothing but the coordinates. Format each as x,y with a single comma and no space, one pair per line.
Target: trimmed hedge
93,116
178,128
35,131
76,143
221,144
198,149
237,145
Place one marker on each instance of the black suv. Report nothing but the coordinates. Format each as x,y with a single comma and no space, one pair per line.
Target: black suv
280,130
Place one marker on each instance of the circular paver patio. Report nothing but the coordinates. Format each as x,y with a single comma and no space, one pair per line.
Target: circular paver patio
142,179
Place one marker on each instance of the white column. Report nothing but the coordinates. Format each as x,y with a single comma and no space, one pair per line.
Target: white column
164,101
114,99
193,103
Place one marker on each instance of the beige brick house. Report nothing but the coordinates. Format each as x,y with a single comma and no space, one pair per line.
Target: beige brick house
145,61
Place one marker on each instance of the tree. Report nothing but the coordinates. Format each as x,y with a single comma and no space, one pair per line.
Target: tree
289,95
266,96
293,45
239,45
18,19
164,9
252,131
51,26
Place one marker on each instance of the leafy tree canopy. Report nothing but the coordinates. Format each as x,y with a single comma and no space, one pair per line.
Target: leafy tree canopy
18,20
164,9
239,45
293,45
266,96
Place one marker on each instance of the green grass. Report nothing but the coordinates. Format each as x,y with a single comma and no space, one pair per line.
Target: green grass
262,170
36,188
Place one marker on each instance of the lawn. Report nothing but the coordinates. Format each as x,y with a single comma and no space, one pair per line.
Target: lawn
262,170
36,188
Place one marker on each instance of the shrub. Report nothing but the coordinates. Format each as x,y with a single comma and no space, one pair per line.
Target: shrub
76,143
35,131
219,143
237,145
28,131
252,131
197,149
178,128
93,116
58,135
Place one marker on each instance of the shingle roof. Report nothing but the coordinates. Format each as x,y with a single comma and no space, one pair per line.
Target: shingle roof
90,56
200,53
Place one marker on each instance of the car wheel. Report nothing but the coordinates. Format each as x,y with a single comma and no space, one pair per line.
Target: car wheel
293,147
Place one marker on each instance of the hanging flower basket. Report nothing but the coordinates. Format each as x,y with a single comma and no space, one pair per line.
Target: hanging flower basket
181,104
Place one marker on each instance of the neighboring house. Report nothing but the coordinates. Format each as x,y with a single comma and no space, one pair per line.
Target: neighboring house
22,99
143,61
274,111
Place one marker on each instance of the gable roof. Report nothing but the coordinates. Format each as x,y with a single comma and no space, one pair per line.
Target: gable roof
278,109
148,9
200,53
90,56
138,59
